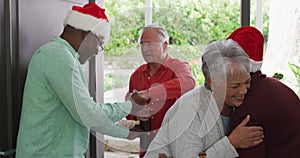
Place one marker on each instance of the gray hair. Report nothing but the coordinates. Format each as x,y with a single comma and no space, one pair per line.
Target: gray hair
162,34
220,58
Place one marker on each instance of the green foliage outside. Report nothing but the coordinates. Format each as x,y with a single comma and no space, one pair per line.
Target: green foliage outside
188,22
296,70
278,76
191,25
197,73
114,81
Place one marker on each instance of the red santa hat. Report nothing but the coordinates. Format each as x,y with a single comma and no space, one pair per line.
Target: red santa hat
90,17
252,41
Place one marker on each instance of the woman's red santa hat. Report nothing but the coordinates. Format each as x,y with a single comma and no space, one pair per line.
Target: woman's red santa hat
252,41
90,17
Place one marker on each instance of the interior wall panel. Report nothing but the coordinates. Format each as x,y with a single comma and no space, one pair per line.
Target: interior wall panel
3,124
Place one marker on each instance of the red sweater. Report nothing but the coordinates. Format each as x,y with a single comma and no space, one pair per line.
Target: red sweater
276,108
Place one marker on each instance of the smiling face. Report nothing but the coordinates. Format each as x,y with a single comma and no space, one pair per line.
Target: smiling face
153,50
238,84
231,92
226,68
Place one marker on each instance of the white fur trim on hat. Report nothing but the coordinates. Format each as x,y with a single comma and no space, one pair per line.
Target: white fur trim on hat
85,22
255,65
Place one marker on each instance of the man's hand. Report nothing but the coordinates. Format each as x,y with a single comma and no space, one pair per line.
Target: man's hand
129,123
145,94
246,136
137,103
133,134
136,132
137,99
141,112
144,114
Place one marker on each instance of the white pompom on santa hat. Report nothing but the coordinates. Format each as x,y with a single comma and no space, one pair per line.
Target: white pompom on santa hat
90,17
252,41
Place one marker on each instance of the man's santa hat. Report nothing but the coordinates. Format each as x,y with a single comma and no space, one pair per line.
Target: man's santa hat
90,17
252,41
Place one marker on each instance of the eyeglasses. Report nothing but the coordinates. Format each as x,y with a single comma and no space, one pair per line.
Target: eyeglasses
101,47
149,44
100,44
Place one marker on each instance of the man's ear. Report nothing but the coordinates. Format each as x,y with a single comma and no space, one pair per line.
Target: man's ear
165,45
84,34
211,84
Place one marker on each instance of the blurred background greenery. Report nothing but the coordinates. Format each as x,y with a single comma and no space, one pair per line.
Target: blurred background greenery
191,25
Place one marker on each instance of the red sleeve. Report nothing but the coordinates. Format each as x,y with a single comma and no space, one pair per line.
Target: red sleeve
174,88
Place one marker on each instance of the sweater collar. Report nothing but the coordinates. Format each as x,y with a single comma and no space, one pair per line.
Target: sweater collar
70,48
